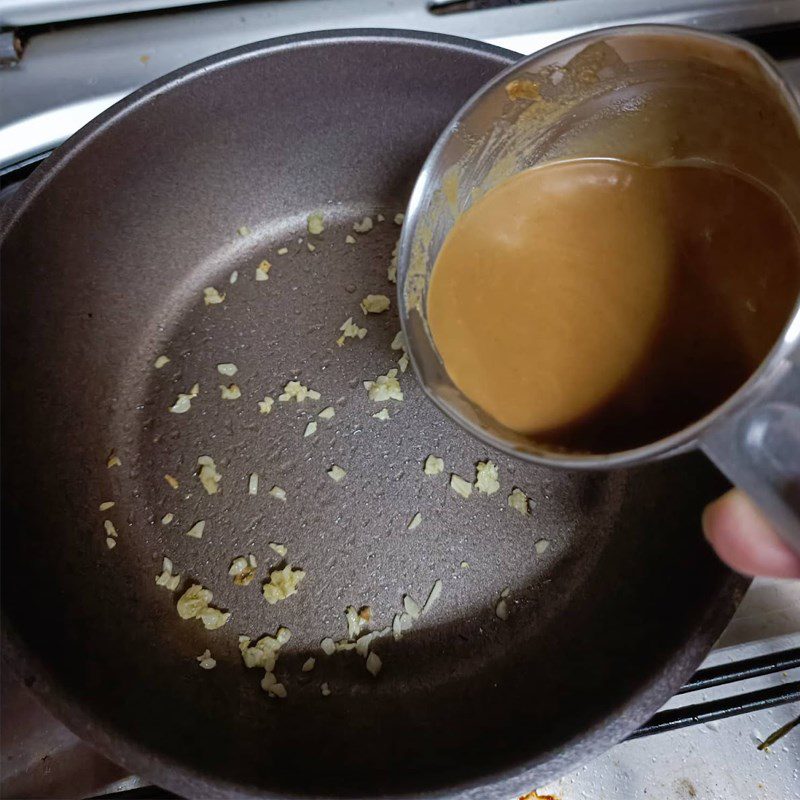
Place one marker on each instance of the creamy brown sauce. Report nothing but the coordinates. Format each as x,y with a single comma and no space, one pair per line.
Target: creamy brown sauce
598,305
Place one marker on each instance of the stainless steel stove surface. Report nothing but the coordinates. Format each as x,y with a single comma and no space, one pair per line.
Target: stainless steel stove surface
63,61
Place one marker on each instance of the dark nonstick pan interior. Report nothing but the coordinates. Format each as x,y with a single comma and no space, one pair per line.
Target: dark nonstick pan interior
105,257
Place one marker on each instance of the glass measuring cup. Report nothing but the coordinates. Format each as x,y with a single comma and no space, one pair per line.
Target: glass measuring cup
643,93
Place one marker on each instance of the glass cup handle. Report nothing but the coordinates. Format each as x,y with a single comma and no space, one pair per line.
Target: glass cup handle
758,449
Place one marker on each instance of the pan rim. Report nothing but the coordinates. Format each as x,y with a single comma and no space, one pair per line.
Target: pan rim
117,743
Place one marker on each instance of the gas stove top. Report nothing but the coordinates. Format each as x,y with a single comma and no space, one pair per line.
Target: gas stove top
64,61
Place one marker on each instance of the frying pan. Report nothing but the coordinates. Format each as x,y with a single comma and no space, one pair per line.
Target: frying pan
106,252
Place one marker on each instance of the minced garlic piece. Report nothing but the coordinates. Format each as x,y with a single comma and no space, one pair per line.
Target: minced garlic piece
541,546
167,518
193,601
277,493
212,297
294,390
309,664
433,465
213,618
229,370
232,392
243,570
243,231
166,578
328,646
280,549
113,461
501,609
336,473
350,331
433,596
384,387
262,270
315,223
460,486
325,689
383,414
374,664
196,531
380,218
464,565
399,341
110,529
208,474
282,583
265,405
518,500
416,520
349,239
275,689
402,362
108,504
327,413
161,361
282,251
375,304
264,653
523,89
171,481
411,606
111,543
486,477
398,218
391,272
205,660
252,483
311,429
184,401
365,226
234,276
311,247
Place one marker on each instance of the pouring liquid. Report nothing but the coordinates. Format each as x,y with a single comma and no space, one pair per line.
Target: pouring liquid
598,305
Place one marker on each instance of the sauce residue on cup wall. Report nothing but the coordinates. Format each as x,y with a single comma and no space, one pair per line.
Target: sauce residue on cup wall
597,305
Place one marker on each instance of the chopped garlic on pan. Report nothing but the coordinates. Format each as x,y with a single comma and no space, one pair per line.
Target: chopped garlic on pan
167,518
212,297
213,618
460,486
315,223
171,481
541,546
501,609
327,413
243,231
411,606
399,341
166,578
486,477
194,604
375,304
383,414
294,390
309,664
391,272
518,500
243,570
184,401
262,270
229,370
325,689
110,529
161,361
311,247
402,362
365,226
196,531
108,504
435,593
205,660
282,583
113,461
208,474
374,664
252,483
328,646
433,465
265,405
350,331
398,218
311,429
278,493
280,549
384,387
416,520
111,543
282,251
232,392
264,653
349,239
380,218
234,276
336,473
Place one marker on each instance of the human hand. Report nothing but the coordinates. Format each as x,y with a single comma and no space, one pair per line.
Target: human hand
745,541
